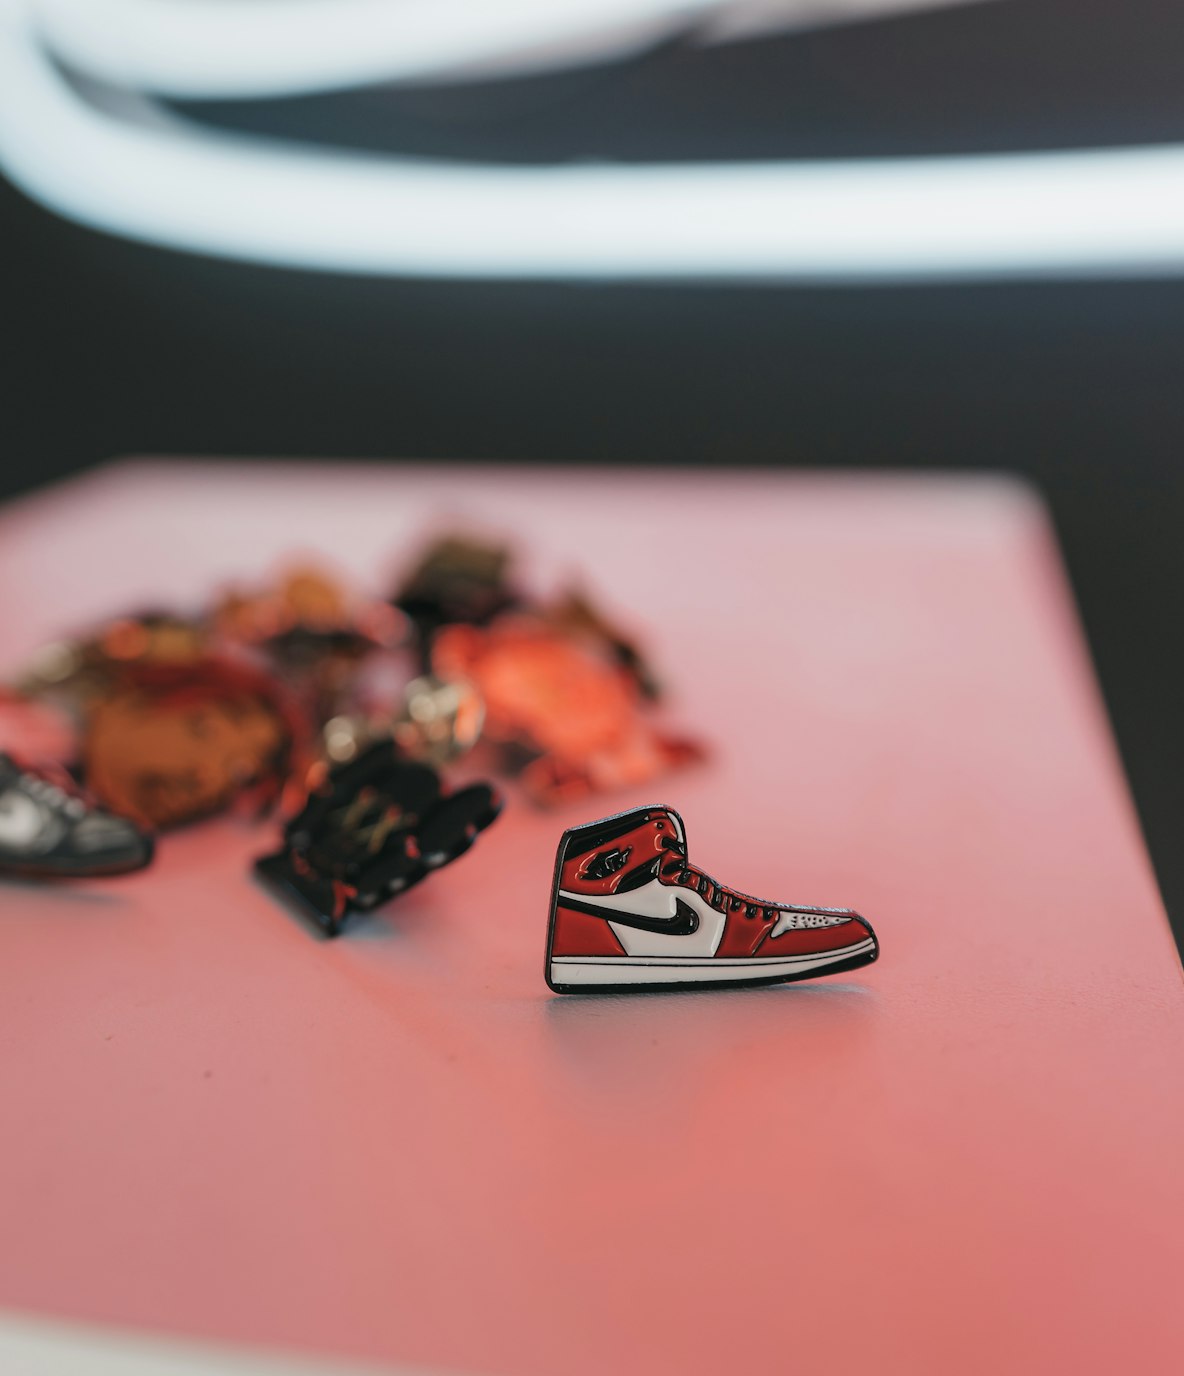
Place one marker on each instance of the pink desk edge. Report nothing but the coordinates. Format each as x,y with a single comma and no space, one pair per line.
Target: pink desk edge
400,1147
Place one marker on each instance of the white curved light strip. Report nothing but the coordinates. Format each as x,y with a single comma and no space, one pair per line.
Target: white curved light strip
739,20
211,49
1074,213
233,48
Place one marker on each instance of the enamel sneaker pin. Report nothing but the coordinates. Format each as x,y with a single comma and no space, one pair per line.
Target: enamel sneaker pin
630,911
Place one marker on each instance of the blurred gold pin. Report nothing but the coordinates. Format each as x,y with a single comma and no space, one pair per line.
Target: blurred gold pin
441,719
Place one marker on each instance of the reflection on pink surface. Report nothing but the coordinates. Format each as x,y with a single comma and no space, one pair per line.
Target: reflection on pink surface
399,1145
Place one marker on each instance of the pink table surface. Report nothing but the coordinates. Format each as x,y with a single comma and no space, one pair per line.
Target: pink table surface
400,1145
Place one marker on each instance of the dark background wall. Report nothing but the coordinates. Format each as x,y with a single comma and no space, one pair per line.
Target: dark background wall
110,348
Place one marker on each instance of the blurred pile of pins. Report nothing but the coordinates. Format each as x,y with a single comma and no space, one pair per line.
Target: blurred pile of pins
342,710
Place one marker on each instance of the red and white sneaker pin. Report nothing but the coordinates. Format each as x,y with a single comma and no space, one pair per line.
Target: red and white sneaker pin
630,911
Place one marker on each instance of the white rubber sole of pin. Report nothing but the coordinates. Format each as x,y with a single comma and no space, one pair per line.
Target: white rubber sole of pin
593,970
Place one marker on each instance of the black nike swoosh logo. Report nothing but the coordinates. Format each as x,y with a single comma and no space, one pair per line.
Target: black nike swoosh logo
685,921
